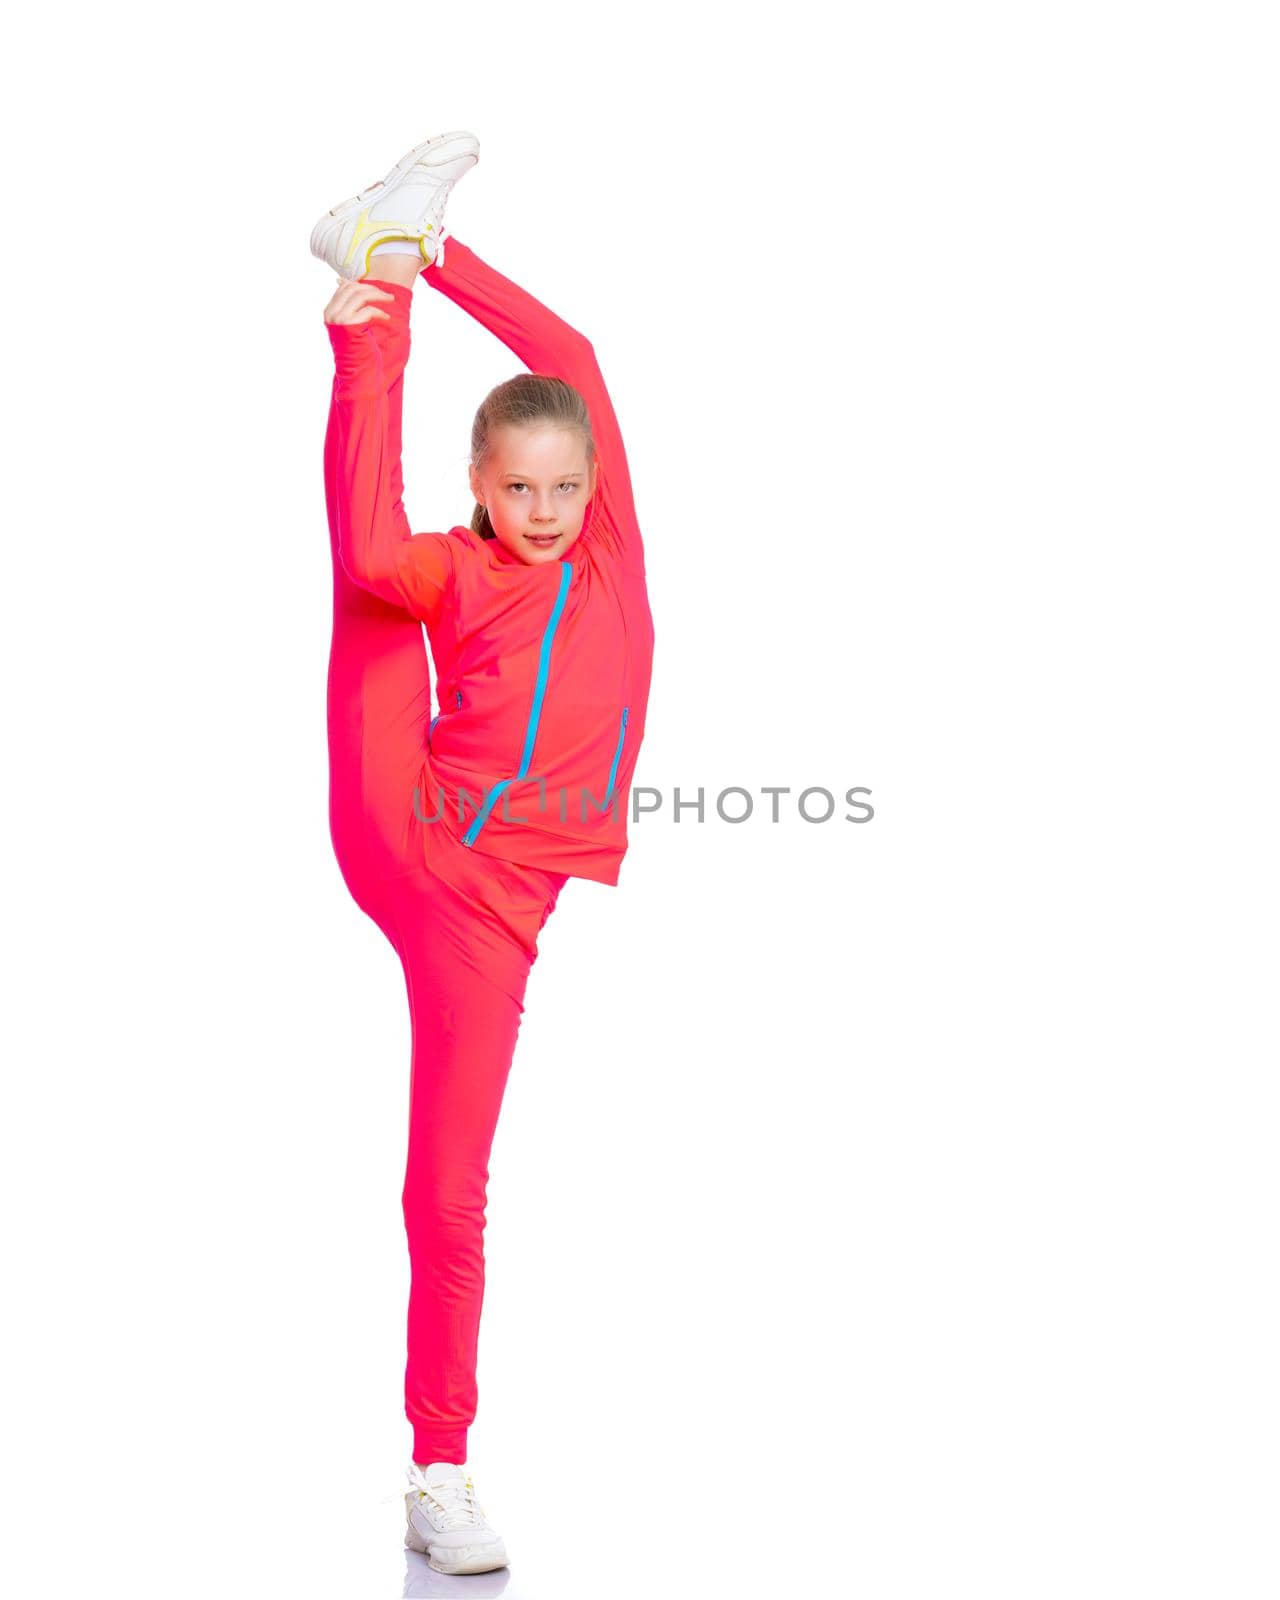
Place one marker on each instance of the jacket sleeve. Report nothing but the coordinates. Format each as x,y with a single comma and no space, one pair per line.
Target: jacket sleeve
547,344
364,483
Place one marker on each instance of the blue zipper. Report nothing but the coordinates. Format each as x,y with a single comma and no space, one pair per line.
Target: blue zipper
436,718
535,711
613,770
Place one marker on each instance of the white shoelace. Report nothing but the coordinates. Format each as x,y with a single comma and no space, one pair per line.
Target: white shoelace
442,233
452,1499
436,218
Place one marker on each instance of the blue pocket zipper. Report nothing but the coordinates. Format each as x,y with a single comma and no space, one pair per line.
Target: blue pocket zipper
437,716
617,756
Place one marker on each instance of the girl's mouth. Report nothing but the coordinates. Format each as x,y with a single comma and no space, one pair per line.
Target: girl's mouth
541,539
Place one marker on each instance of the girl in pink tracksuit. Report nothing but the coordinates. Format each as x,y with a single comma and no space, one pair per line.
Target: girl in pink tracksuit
456,833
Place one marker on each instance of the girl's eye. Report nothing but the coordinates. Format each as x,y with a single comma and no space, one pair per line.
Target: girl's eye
566,485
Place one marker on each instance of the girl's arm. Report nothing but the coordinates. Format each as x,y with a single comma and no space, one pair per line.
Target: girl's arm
547,344
364,480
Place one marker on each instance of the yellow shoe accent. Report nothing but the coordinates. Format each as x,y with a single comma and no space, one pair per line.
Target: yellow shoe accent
364,228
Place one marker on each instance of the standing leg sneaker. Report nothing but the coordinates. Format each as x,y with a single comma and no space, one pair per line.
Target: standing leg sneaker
407,204
446,1524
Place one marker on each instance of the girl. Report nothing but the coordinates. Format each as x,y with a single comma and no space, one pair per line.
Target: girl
456,833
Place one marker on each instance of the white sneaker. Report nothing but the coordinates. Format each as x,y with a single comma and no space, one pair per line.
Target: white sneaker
446,1524
407,204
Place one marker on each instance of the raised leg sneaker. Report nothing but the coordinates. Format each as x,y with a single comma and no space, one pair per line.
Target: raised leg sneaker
446,1524
407,204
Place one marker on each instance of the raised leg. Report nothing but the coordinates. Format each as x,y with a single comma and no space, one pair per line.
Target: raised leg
379,697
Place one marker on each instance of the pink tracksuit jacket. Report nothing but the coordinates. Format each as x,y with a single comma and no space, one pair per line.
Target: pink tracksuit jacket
542,672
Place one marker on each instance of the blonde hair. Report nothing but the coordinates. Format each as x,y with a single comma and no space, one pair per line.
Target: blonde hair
529,399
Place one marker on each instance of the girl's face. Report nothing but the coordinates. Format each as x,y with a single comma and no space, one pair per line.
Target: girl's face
535,485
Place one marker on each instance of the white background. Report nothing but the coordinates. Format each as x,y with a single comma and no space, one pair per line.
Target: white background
881,1210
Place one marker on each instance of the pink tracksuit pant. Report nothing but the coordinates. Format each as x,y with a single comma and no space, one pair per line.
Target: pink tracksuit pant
465,928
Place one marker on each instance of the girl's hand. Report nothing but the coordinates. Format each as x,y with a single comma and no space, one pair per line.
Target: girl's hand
351,303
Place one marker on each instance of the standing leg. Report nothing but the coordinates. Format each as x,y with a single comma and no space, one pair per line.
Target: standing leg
467,931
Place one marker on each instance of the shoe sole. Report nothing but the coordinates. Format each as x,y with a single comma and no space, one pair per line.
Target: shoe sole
459,1559
434,152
